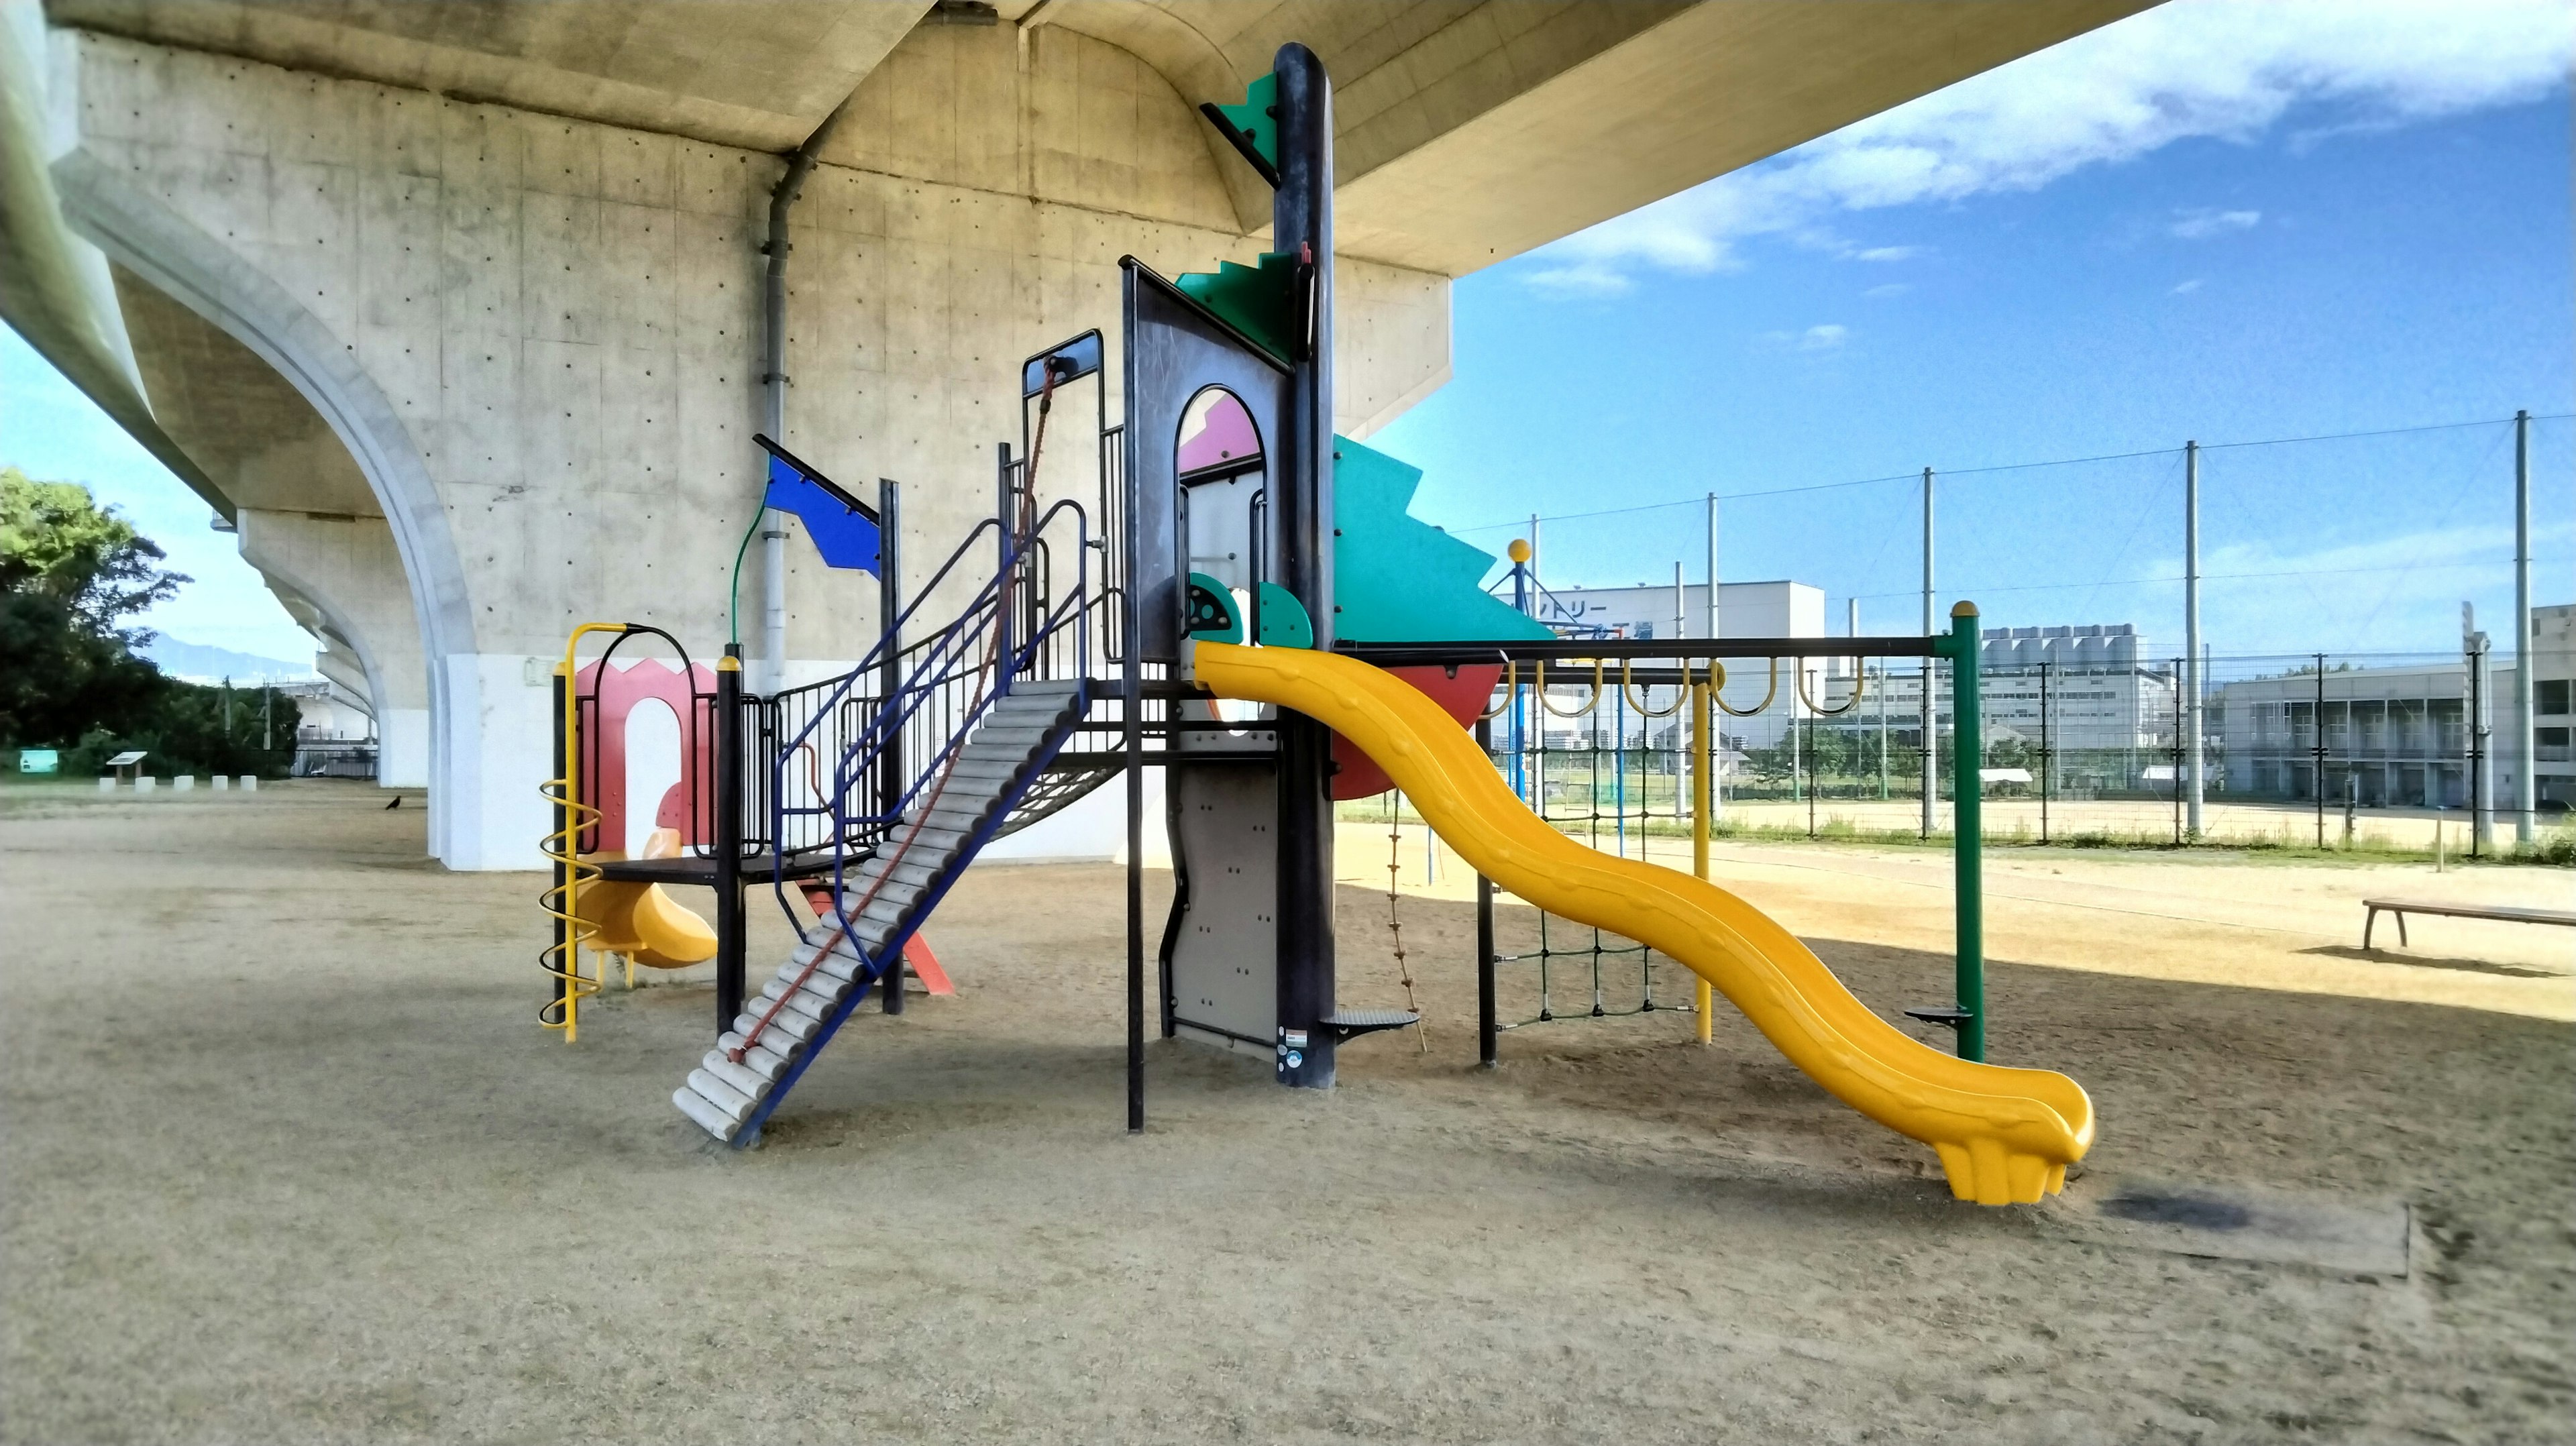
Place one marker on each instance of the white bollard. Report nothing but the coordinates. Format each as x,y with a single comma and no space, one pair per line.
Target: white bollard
144,783
184,783
222,782
250,783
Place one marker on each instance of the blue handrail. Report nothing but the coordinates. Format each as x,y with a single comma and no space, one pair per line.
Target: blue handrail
943,661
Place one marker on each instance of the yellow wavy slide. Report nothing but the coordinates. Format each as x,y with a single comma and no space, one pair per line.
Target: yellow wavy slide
2004,1135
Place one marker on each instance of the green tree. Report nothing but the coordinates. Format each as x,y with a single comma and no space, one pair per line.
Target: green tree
73,576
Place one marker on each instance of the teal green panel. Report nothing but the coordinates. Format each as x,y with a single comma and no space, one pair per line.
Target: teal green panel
1284,623
1254,117
1212,614
1397,579
1254,299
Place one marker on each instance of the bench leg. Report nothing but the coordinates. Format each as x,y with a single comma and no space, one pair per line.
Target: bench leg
2369,922
2402,941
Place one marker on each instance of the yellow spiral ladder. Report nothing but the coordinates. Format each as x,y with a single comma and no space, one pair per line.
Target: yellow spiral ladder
562,845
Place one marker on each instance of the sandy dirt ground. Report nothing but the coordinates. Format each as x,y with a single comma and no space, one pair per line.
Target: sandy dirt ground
287,1159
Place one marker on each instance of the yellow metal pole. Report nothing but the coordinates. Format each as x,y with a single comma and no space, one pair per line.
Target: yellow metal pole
570,840
1703,787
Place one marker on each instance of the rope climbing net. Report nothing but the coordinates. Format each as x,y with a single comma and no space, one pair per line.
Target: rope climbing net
1605,760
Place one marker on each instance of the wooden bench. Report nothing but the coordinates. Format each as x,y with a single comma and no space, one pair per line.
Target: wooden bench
2504,912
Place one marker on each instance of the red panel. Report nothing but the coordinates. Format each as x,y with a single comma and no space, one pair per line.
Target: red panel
1462,696
605,741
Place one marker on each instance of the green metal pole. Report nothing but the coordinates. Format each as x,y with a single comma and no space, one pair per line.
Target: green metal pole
1967,828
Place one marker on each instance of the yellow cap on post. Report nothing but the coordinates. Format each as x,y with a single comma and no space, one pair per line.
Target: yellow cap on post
1963,609
1519,550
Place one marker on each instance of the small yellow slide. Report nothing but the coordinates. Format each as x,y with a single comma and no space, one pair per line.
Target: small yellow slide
643,922
2004,1135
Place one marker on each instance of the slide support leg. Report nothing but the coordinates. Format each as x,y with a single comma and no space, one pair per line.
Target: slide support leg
1703,788
1486,1023
1967,788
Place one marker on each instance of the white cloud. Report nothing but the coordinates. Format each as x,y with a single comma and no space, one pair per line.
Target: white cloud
2223,69
1581,279
2201,222
1814,338
1892,288
2185,288
1888,253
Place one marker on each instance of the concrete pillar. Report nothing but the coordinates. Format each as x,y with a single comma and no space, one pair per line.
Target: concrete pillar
350,572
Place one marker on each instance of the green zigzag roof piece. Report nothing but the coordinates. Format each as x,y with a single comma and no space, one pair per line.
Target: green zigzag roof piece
1253,299
1398,579
1254,117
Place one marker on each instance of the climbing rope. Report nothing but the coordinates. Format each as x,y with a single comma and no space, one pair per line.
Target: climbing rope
1394,916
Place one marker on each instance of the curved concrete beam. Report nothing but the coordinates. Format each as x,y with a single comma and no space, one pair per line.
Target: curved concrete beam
175,256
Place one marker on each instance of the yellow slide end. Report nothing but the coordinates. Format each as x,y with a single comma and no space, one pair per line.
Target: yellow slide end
641,921
2004,1135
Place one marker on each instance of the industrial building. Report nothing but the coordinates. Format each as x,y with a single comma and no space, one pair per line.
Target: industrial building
2403,736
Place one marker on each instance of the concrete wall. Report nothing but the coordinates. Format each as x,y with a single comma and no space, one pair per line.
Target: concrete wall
539,337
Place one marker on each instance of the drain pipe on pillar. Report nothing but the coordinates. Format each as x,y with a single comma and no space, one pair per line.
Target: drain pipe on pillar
773,394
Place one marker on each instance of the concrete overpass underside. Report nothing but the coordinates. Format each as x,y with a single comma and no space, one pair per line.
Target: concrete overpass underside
455,309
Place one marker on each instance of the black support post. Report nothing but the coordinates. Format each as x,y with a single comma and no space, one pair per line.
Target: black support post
1131,711
1301,489
1486,1023
891,777
729,920
569,847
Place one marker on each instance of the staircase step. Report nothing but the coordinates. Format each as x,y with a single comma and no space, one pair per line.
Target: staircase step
708,1115
872,936
813,1003
933,840
791,976
723,1096
741,1076
953,811
1352,1023
879,866
760,1059
788,1024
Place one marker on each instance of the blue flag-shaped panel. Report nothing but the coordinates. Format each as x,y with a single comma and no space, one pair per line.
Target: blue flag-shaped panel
844,529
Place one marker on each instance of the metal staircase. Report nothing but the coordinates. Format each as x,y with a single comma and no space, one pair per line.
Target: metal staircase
893,891
935,748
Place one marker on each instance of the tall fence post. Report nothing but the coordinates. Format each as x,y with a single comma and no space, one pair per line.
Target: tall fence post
1931,714
2526,753
1967,829
2194,682
2047,757
2318,777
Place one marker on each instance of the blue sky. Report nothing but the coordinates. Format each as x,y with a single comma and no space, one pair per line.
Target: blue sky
2110,247
2221,221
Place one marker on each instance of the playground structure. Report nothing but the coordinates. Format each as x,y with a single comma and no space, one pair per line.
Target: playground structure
1246,605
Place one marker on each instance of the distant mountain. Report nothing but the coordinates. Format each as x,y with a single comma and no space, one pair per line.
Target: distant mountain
198,663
